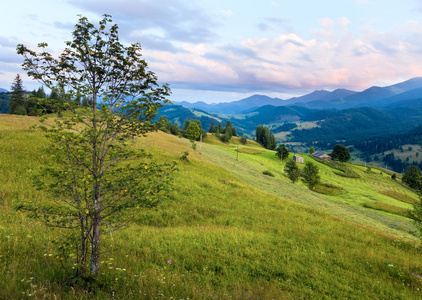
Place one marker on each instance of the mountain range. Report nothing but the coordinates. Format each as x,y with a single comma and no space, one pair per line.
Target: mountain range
375,97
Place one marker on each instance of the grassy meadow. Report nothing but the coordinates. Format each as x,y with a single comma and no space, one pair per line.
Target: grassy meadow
229,232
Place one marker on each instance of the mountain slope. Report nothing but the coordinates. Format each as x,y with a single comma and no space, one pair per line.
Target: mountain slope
219,237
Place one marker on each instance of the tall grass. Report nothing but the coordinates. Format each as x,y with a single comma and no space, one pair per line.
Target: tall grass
219,238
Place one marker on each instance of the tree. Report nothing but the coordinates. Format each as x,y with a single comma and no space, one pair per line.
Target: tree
282,152
412,176
243,139
228,132
271,144
17,101
292,170
310,175
193,131
260,135
94,190
265,137
340,153
311,150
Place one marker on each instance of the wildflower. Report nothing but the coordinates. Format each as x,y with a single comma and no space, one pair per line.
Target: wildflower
169,262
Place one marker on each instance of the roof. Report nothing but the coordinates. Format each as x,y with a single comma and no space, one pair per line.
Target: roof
321,155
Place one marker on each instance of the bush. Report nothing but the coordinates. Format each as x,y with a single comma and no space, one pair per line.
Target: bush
184,155
268,173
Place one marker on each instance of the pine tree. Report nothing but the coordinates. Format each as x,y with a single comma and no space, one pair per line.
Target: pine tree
17,102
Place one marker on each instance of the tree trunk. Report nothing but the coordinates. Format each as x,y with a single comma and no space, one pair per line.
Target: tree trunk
95,254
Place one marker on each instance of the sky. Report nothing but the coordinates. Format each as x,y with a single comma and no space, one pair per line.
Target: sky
219,51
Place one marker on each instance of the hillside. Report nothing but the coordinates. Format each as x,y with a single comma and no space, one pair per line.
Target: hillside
230,231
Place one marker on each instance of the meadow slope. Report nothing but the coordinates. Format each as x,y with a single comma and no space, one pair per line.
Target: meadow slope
225,237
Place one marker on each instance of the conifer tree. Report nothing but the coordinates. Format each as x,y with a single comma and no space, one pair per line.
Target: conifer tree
17,102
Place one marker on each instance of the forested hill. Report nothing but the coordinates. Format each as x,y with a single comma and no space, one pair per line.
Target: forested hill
357,124
4,101
389,142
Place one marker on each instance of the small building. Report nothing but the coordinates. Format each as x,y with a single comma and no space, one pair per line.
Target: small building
321,155
298,159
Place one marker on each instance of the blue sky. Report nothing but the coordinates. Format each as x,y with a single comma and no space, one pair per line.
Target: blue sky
217,51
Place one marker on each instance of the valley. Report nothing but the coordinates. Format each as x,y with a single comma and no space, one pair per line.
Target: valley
322,119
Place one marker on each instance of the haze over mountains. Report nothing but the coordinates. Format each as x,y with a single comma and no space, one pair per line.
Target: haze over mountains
375,97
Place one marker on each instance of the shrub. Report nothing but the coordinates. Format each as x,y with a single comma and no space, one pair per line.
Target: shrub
268,173
184,155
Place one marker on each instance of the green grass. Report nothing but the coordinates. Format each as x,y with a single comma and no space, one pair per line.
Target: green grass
230,232
400,196
329,189
392,209
347,205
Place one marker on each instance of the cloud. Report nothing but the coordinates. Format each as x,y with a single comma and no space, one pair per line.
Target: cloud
334,57
274,25
179,20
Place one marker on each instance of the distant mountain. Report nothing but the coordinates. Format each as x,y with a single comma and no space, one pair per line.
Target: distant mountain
406,85
369,97
338,94
410,98
236,107
334,99
315,95
3,90
376,97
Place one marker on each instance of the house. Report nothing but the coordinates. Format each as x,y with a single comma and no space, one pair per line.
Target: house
321,155
298,159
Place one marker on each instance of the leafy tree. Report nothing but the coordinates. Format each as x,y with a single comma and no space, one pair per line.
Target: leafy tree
412,177
292,170
310,175
311,150
340,153
95,191
193,131
243,139
17,101
282,152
